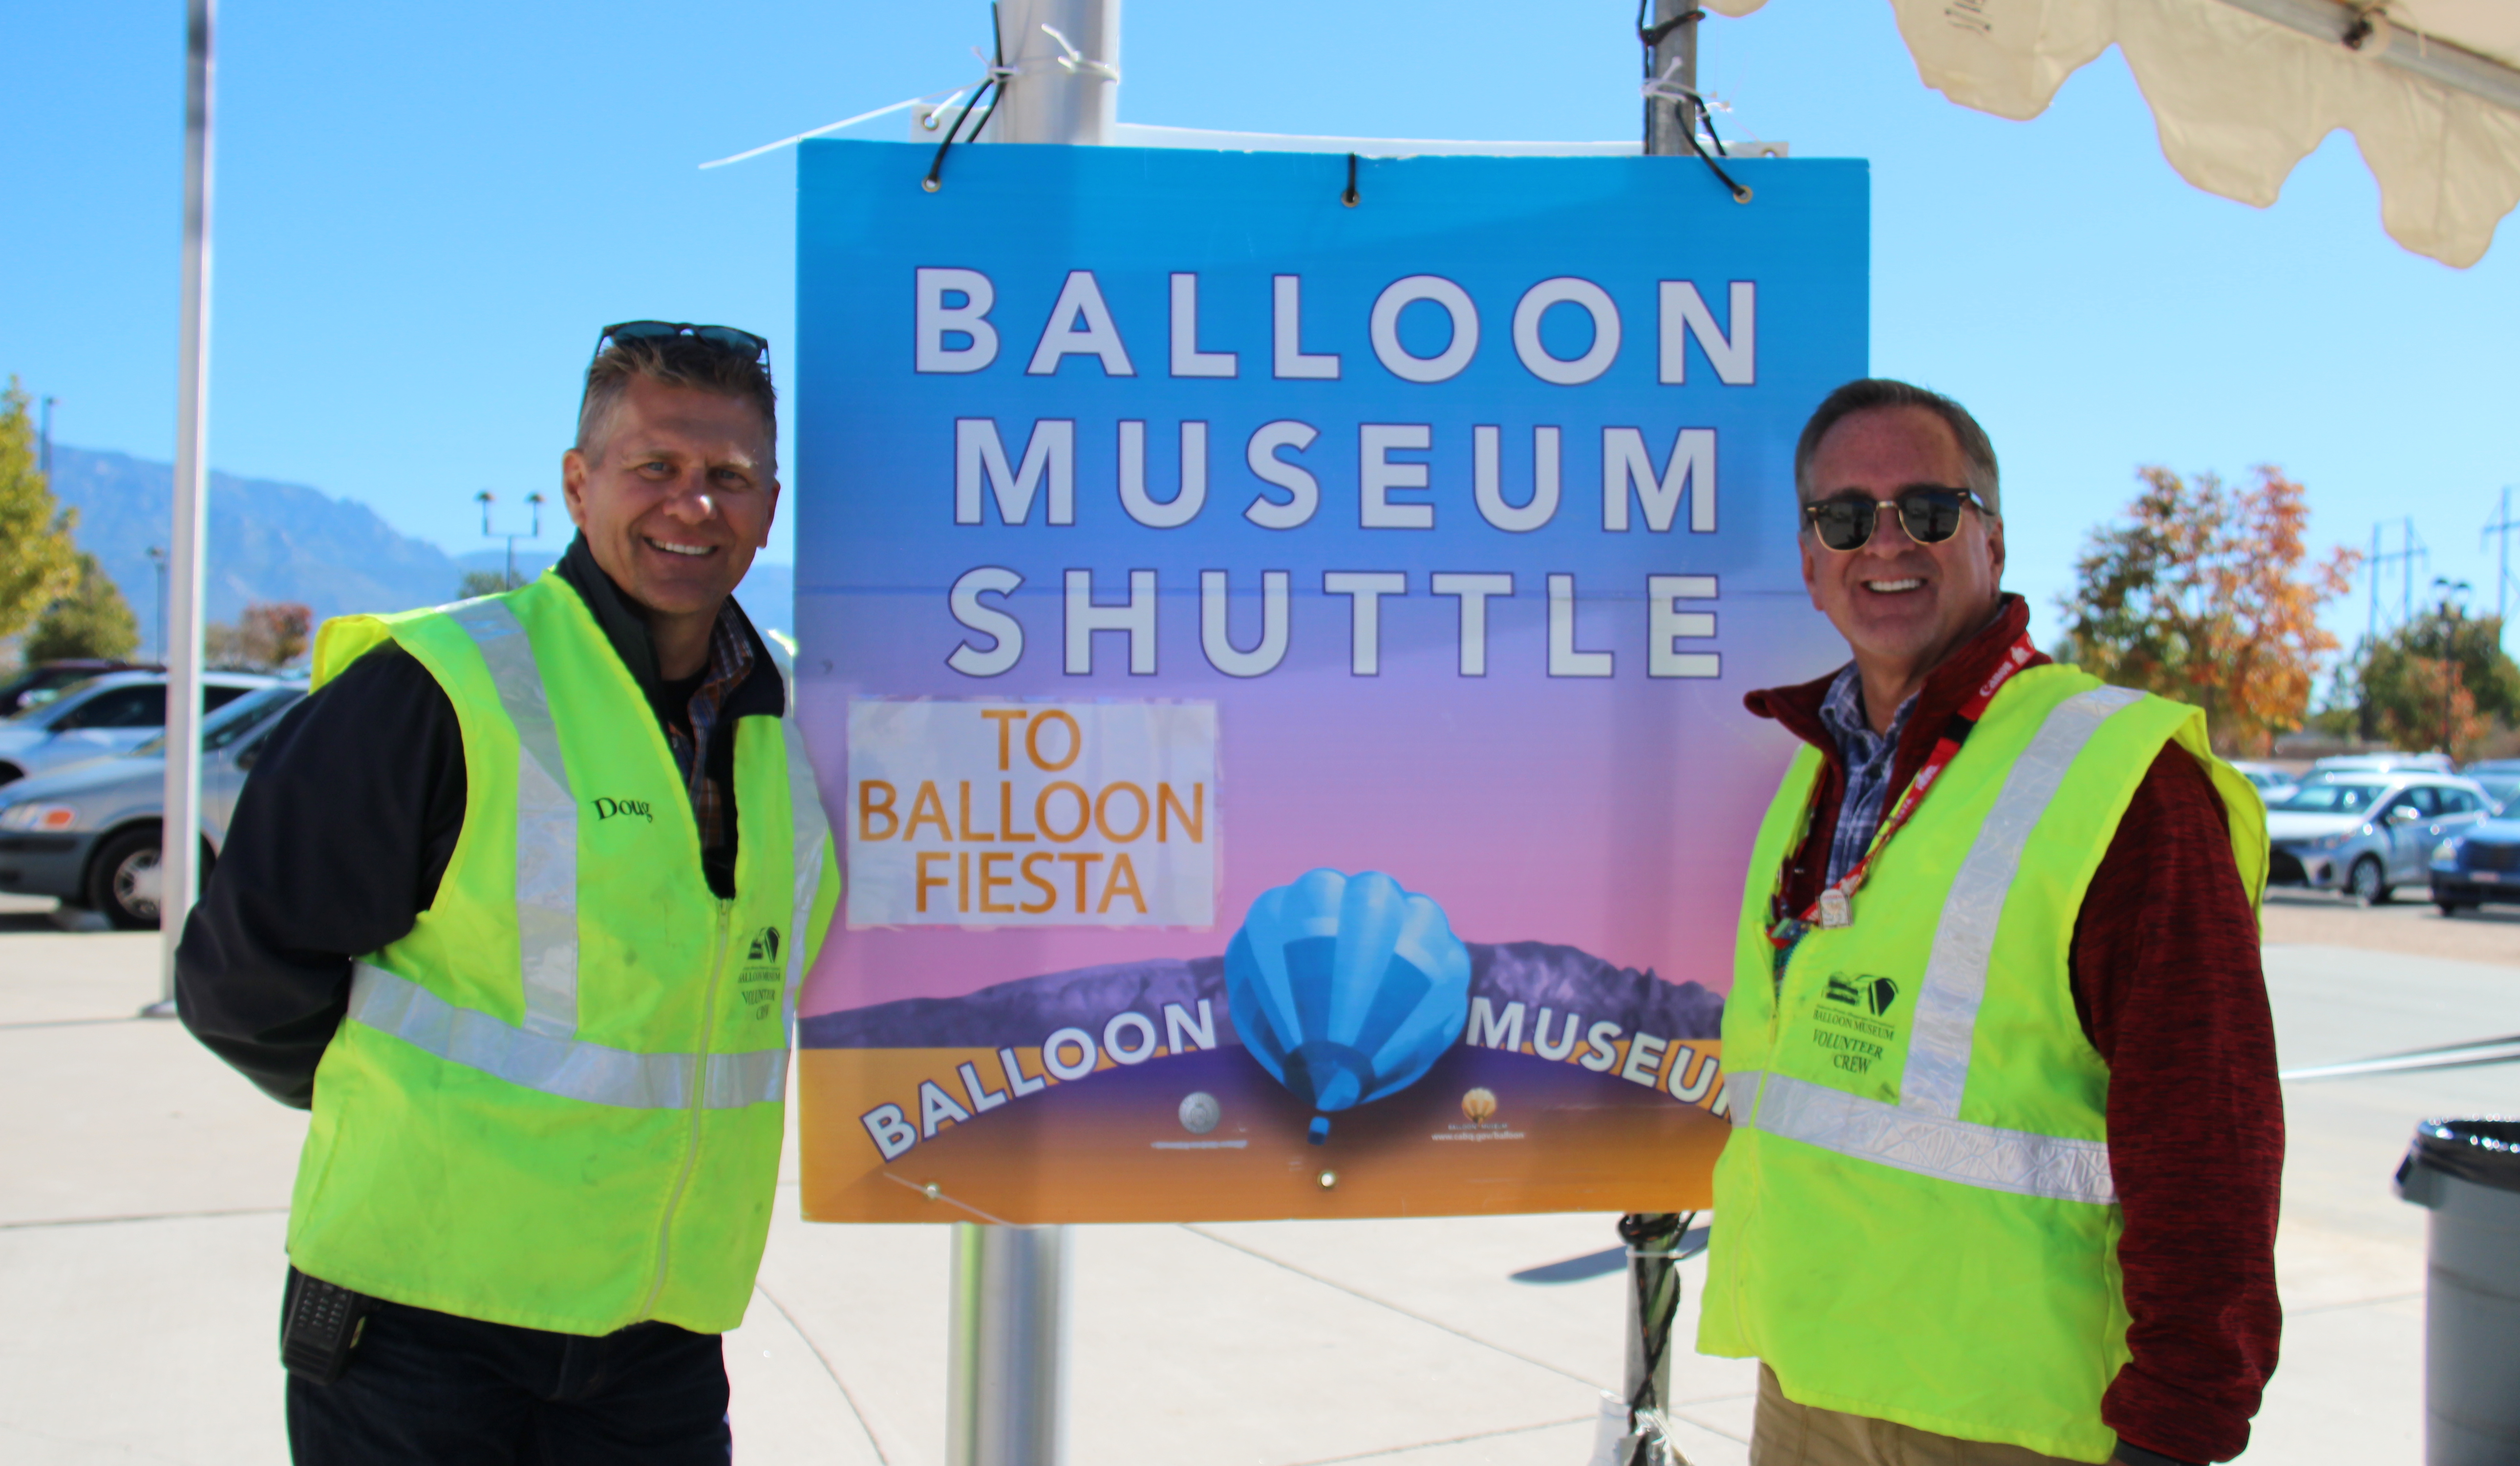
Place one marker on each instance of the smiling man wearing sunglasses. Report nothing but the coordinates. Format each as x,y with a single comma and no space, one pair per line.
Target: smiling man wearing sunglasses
515,903
2002,1182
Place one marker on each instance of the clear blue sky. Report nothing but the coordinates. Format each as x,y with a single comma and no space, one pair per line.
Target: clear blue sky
422,217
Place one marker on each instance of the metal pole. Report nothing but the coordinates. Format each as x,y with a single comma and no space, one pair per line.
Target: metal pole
1654,1240
2373,585
1669,122
1006,1389
2450,674
2406,543
1056,97
158,564
1008,1346
179,860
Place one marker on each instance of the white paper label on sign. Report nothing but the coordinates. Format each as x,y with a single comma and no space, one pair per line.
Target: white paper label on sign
1032,814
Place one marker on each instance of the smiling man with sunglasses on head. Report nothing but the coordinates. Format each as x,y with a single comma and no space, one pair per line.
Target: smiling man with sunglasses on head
2002,1182
515,903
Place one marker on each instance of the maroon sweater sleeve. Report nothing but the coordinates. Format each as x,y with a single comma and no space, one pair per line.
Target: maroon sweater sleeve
2177,1004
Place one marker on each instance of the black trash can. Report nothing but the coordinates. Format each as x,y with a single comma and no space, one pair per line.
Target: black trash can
2467,1172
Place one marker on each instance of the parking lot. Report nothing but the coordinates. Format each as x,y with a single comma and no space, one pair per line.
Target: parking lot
143,1194
2409,924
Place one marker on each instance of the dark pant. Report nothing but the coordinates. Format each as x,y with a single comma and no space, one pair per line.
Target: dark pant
426,1388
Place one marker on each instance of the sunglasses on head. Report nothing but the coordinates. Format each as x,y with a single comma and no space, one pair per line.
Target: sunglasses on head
1929,513
743,343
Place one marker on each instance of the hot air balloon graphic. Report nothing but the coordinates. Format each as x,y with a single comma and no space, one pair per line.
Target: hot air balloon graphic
1478,1105
1346,988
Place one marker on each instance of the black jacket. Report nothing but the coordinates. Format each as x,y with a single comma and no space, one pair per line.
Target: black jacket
343,831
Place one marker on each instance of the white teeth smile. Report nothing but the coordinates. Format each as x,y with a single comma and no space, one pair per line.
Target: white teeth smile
672,547
1891,587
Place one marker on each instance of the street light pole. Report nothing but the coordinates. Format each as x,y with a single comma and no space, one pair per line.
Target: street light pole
2449,609
534,503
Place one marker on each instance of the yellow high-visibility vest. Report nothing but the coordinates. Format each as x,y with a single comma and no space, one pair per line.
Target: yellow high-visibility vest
1915,1218
557,1101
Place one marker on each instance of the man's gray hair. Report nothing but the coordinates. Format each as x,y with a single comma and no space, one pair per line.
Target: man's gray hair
1873,392
674,362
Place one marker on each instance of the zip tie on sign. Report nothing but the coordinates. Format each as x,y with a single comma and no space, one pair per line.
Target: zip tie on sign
1075,61
1666,88
949,94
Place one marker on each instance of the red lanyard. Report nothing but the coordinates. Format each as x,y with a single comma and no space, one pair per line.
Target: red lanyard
1835,907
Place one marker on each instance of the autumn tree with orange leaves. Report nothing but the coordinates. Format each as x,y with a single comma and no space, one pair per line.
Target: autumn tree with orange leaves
2205,592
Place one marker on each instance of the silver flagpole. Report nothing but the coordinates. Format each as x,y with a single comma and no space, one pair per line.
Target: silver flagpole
179,862
1008,1375
1673,56
1655,1240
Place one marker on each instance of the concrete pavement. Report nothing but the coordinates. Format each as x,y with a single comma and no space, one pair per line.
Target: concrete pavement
143,1190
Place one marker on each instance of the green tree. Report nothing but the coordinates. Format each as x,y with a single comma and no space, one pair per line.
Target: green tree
38,561
267,637
92,620
2206,592
486,583
2407,678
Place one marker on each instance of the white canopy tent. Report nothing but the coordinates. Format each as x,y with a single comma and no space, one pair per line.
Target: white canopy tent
2244,89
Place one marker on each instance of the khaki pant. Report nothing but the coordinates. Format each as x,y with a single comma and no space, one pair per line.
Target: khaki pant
1786,1434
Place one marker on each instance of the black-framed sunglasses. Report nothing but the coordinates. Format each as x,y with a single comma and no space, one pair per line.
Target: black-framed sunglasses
725,337
1929,513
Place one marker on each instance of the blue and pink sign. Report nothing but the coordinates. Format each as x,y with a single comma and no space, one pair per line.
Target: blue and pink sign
1277,664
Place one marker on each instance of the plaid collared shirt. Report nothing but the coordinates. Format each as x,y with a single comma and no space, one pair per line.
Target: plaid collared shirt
730,662
1868,756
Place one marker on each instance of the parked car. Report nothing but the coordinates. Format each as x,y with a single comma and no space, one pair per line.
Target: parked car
90,834
2274,784
2499,777
2380,763
111,713
2477,865
45,681
2365,834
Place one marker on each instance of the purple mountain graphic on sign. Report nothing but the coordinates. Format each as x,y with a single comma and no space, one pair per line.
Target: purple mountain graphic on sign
1014,1014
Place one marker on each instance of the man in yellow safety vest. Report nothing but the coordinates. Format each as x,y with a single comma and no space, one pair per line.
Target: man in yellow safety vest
2002,1181
516,902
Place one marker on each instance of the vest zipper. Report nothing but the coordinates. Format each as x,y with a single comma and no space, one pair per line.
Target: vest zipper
699,1097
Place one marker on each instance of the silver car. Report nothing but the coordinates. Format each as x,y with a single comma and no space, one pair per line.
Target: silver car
90,834
2365,834
2275,786
104,716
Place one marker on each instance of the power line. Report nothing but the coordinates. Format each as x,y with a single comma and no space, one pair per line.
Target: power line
2410,552
2500,531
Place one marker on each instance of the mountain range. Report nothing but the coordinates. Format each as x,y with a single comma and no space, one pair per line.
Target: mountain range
271,540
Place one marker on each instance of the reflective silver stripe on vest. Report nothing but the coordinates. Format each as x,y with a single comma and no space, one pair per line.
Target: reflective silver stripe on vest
566,1067
1952,1150
812,828
1740,1108
1954,982
546,821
